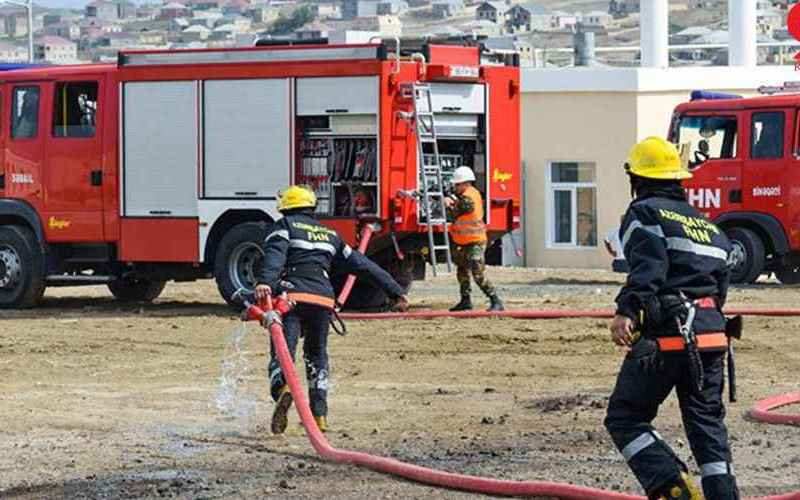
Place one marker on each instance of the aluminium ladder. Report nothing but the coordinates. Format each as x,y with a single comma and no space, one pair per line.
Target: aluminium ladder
432,193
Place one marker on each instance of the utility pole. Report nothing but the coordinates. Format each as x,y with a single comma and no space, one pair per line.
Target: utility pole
28,4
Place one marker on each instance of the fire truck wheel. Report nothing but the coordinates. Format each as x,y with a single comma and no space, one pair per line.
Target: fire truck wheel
136,290
789,275
747,255
21,268
238,257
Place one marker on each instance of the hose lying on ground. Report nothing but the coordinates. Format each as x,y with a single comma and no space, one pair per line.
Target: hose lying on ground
541,314
436,477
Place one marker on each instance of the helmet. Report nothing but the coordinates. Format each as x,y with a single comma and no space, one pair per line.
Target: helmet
463,174
655,158
296,197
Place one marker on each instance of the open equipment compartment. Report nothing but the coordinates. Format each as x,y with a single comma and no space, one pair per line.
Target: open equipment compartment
461,122
337,143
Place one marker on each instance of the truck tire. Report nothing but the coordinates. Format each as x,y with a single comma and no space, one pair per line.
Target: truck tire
21,268
238,258
748,255
789,275
136,290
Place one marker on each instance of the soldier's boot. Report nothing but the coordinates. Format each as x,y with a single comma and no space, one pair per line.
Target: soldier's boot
280,416
682,489
495,304
322,423
464,305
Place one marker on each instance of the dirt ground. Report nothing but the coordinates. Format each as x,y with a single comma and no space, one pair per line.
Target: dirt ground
99,400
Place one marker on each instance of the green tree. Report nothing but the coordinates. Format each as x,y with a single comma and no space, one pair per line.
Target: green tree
286,25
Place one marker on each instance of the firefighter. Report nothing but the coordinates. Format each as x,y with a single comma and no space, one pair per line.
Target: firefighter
678,273
468,235
299,253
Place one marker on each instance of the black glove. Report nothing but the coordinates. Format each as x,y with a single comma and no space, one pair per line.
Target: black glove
646,354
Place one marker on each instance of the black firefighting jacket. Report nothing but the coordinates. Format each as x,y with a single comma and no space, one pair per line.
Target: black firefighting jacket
299,253
671,249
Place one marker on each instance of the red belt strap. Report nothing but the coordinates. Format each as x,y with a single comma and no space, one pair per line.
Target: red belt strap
310,298
707,303
704,341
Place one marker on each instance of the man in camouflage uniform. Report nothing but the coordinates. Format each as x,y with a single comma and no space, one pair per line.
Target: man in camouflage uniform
468,235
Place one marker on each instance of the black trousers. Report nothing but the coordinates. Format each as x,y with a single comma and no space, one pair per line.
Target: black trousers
311,322
634,404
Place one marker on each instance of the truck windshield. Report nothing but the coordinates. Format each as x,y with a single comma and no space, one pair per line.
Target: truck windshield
707,138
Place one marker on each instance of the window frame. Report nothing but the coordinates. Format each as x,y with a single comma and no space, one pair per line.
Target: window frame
751,142
573,187
738,140
11,128
55,103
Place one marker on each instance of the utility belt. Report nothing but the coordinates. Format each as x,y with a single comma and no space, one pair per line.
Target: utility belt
683,312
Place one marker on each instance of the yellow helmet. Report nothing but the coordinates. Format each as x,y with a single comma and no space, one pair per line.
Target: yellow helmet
297,197
655,158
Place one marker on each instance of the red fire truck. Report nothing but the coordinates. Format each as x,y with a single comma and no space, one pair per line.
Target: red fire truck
745,156
165,166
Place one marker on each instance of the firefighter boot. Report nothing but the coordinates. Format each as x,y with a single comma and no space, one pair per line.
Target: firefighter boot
682,489
495,304
280,417
322,423
464,305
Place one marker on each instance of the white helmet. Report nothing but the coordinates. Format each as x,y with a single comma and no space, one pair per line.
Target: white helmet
463,174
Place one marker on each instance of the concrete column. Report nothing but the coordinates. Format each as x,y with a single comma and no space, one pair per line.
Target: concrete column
742,50
654,36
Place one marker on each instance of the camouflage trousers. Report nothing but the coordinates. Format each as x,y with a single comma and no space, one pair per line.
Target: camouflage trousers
470,259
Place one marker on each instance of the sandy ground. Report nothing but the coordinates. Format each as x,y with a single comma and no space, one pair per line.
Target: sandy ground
99,400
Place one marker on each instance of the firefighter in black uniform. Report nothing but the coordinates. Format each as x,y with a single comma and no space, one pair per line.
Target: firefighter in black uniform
298,255
669,315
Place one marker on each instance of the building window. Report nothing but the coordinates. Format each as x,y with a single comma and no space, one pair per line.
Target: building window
572,205
766,135
75,109
25,113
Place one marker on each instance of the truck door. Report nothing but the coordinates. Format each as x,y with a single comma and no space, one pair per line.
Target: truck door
22,162
712,143
763,178
73,179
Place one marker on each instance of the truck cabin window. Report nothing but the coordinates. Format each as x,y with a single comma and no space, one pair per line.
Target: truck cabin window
707,138
75,109
25,113
766,135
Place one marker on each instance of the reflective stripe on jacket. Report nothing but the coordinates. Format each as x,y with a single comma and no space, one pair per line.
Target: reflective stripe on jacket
672,249
469,228
299,255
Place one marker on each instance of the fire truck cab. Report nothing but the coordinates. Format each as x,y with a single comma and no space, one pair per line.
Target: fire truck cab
166,165
745,157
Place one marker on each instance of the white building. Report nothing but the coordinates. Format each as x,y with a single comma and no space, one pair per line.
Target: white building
55,50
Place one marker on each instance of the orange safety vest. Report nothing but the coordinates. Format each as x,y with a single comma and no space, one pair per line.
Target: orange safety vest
469,228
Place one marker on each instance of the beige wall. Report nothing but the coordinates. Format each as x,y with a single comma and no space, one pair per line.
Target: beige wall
586,126
596,127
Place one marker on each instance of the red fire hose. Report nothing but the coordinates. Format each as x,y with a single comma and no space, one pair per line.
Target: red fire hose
541,314
366,235
431,476
762,410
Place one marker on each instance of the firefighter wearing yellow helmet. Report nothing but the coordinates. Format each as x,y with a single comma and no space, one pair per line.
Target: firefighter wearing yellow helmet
669,314
299,256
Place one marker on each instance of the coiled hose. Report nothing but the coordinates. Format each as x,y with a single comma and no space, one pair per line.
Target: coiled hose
463,482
